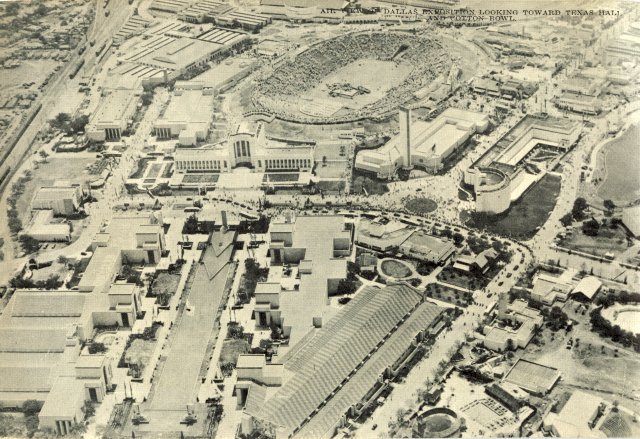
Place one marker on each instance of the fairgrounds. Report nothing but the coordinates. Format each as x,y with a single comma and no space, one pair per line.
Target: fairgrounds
195,329
415,60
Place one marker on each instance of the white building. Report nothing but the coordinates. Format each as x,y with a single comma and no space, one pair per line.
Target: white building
248,146
188,116
422,144
62,200
114,114
502,174
45,228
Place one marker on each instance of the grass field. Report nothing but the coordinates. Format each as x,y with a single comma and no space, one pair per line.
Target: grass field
523,218
421,206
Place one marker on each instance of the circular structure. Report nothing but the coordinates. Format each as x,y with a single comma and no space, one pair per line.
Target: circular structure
438,422
625,316
393,269
421,206
352,77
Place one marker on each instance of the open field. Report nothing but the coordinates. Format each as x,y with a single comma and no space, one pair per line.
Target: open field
608,241
525,216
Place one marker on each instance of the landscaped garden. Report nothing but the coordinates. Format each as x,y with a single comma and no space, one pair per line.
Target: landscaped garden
448,294
164,286
421,206
395,269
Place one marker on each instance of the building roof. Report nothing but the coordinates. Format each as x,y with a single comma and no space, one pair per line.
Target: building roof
98,272
250,361
116,106
65,398
573,420
29,340
47,193
588,286
54,304
532,376
328,357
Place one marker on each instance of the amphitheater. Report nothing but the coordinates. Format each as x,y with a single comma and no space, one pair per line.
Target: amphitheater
390,66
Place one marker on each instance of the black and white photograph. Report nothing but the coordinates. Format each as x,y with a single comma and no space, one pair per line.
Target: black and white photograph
319,219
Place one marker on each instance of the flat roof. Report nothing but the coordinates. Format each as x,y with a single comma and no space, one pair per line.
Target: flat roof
115,106
52,304
190,107
532,376
98,270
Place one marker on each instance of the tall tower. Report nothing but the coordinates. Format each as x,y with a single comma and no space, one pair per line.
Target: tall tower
405,136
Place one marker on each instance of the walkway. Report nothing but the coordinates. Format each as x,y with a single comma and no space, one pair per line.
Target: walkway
178,380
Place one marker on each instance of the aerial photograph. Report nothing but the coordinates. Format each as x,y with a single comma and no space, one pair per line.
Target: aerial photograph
315,219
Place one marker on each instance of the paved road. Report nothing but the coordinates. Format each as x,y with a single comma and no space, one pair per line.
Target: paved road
178,380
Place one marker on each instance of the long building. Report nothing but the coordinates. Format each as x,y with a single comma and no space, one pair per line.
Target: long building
504,173
335,372
248,146
422,144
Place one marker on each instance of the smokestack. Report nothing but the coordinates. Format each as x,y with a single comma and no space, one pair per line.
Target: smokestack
405,135
224,219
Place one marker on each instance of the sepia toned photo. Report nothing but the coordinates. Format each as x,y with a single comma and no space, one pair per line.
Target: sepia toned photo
315,219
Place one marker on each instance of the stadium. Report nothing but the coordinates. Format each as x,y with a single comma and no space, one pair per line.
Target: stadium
331,82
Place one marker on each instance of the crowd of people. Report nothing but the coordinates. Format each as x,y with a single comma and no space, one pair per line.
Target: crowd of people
296,77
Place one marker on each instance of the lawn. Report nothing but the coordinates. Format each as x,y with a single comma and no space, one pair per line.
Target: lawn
154,170
140,352
200,178
141,165
276,177
448,294
395,269
421,206
524,217
231,350
370,185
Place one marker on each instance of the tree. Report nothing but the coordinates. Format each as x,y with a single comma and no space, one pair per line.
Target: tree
44,154
609,205
88,409
579,206
79,123
12,8
191,225
566,220
61,121
556,318
458,238
29,244
97,348
31,407
591,227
